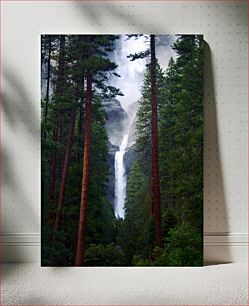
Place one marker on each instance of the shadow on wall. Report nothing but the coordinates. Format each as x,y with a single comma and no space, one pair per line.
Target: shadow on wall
130,21
215,210
17,107
20,126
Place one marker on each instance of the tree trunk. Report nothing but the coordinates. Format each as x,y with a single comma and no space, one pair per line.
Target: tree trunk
48,80
155,179
43,182
79,151
60,113
64,173
53,167
59,92
61,67
79,260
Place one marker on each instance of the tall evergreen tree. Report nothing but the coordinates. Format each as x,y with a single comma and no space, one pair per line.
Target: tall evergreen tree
58,95
155,179
85,176
97,65
65,171
48,80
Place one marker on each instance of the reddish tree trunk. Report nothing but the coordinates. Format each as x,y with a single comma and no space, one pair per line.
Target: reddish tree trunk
79,152
64,173
79,259
53,168
155,179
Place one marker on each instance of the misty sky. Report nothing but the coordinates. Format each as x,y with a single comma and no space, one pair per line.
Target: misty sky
132,73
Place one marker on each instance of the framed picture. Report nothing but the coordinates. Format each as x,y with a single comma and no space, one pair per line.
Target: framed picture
122,150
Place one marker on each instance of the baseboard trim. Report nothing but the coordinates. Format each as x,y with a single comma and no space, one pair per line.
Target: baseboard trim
218,247
20,239
215,238
225,247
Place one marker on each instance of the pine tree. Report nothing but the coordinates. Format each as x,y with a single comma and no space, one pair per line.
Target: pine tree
65,172
97,64
58,115
85,176
48,80
155,179
139,223
75,87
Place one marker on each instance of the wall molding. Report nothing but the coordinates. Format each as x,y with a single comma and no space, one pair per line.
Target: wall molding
230,239
219,247
225,247
20,239
20,247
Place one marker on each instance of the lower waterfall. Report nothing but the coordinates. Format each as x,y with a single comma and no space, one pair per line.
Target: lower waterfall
120,179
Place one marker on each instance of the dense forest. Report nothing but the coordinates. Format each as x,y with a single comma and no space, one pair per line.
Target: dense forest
163,198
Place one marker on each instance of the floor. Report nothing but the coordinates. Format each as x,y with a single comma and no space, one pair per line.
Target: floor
29,284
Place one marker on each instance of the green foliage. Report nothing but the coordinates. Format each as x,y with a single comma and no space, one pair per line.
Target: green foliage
169,220
54,252
140,261
100,255
183,247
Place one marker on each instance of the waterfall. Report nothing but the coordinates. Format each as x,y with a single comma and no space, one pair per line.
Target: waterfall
120,179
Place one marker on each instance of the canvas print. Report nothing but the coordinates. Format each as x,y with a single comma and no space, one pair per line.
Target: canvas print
122,150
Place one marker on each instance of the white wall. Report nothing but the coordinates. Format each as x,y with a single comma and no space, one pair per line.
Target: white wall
224,25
